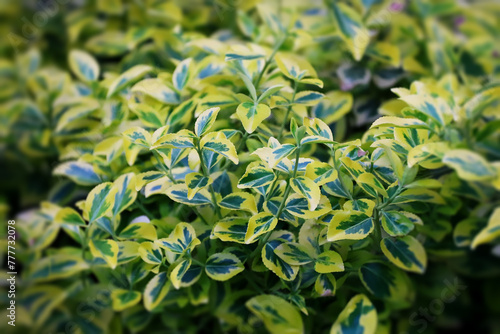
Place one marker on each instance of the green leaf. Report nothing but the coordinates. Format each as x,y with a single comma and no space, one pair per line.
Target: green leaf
349,225
321,172
293,253
325,285
179,193
351,29
333,106
231,229
205,121
308,97
182,74
83,65
235,56
405,252
123,299
273,155
308,189
385,52
400,122
427,105
149,116
275,263
256,175
490,232
150,253
353,167
80,172
252,115
269,92
251,88
181,139
111,148
469,165
177,274
69,216
100,201
57,266
127,77
125,193
195,182
369,183
191,276
181,116
239,201
294,67
384,281
218,143
105,249
156,290
258,225
158,90
419,194
328,262
223,266
396,224
358,316
363,205
138,136
299,207
182,239
139,231
278,315
127,251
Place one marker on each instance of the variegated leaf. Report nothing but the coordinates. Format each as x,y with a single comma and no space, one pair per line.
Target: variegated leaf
358,316
223,266
105,249
349,225
406,253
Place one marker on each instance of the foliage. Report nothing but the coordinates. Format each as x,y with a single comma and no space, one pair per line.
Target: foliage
243,172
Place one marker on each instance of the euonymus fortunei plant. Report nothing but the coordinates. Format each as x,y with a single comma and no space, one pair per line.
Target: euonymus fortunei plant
217,182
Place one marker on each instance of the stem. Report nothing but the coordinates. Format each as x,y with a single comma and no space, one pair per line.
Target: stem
200,216
201,264
249,276
166,170
269,60
271,189
144,210
390,199
377,233
295,86
211,188
282,205
337,168
240,144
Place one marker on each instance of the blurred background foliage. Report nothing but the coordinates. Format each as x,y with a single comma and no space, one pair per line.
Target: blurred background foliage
406,41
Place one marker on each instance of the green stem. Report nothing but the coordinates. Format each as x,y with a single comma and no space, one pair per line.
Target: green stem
376,231
287,113
390,199
201,264
269,60
240,145
200,215
337,168
165,169
250,278
144,210
211,188
271,189
282,205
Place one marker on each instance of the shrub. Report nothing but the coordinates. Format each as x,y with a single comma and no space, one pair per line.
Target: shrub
218,183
